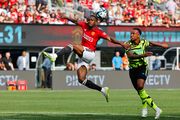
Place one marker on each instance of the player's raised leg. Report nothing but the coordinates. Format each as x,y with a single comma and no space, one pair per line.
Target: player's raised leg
66,50
82,72
52,57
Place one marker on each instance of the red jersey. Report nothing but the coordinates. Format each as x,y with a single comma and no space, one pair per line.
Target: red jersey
91,36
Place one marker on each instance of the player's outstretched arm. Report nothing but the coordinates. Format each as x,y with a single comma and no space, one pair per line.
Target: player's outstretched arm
125,46
164,45
69,18
134,56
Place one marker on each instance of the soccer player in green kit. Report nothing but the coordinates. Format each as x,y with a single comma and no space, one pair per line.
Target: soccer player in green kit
138,68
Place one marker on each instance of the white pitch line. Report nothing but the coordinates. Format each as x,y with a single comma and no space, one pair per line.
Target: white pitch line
61,113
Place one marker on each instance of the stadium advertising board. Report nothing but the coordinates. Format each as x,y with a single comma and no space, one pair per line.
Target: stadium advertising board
115,79
56,35
35,35
153,34
6,76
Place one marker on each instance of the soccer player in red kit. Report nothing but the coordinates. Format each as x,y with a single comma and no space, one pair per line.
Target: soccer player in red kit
86,50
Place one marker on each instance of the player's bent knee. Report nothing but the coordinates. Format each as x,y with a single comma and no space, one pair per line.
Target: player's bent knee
140,87
76,47
82,81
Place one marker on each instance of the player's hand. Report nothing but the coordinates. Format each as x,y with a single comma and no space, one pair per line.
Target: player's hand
165,45
146,54
126,46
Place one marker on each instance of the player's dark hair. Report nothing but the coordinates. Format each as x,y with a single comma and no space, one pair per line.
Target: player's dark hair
139,30
93,15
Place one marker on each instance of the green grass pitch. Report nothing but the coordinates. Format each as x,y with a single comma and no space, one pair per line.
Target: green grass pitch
85,105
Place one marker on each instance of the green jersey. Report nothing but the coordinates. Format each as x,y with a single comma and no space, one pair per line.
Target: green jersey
137,50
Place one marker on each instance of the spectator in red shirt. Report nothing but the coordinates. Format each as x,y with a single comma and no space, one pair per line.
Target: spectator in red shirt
86,51
86,3
4,2
59,19
21,17
166,20
13,15
12,2
69,3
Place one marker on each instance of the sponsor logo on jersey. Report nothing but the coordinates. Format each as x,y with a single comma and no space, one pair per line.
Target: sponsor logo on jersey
90,39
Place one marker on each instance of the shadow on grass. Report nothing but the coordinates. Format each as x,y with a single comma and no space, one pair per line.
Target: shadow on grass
77,117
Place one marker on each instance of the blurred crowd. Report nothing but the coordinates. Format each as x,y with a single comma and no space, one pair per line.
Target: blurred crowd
28,11
6,62
130,12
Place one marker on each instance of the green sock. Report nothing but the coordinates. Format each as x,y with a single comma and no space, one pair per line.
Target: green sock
143,96
151,103
146,99
144,104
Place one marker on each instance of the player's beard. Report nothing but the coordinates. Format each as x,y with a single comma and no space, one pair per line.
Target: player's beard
90,26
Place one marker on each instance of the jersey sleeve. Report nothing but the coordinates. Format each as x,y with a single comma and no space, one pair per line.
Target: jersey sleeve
81,24
127,50
146,43
102,34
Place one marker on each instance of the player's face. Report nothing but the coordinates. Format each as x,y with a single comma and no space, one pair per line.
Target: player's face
135,35
92,21
24,53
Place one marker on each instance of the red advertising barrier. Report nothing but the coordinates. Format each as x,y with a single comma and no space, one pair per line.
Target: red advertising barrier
60,35
17,85
22,85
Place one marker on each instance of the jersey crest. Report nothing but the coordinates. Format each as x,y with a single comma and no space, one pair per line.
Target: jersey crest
92,33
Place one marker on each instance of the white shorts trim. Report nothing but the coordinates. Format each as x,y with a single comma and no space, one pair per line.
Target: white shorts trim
88,56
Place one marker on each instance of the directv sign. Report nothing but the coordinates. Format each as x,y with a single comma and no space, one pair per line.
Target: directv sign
115,80
17,75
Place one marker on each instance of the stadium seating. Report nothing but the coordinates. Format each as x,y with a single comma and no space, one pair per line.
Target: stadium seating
128,12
